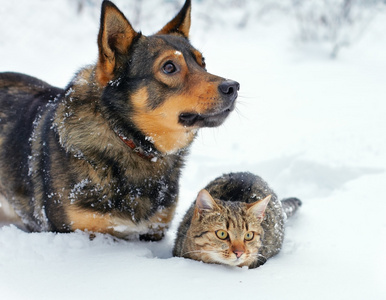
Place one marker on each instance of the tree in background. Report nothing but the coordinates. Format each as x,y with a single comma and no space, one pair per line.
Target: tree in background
336,23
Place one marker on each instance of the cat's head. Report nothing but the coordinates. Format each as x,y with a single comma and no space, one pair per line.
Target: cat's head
226,232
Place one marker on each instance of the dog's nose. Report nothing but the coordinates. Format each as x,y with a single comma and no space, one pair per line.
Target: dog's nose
229,88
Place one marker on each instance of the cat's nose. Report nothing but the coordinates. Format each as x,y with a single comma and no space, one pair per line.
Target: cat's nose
238,253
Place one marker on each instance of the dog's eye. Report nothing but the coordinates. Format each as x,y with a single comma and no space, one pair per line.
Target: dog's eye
203,63
169,68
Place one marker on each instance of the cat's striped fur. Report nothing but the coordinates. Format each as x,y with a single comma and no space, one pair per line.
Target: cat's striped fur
236,220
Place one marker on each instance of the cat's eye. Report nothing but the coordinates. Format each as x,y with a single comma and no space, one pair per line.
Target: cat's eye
249,236
222,234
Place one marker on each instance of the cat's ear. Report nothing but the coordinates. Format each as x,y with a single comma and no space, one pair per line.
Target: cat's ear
258,208
205,202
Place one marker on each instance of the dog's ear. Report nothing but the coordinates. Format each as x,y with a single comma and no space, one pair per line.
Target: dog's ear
115,37
181,22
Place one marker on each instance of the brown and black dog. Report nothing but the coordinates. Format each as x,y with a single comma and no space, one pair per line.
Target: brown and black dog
105,154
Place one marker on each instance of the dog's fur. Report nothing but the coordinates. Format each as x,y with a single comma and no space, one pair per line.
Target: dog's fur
105,154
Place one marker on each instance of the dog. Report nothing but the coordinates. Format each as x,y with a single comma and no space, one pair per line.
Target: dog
105,154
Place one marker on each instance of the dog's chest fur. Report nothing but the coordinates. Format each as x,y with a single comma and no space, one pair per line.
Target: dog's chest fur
113,188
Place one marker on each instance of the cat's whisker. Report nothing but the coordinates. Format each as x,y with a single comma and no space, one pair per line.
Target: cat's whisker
211,250
200,251
233,232
256,255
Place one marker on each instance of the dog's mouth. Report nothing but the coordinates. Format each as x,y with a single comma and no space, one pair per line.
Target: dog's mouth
228,90
190,119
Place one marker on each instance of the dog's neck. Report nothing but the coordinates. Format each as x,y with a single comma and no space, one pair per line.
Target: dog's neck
138,150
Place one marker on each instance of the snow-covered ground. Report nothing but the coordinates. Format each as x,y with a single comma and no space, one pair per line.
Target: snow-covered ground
313,127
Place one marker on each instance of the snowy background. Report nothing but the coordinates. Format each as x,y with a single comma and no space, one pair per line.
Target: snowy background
311,125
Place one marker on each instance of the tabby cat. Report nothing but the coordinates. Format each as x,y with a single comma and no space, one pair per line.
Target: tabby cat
236,220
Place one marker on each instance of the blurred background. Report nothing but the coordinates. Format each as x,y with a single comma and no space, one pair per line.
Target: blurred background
335,23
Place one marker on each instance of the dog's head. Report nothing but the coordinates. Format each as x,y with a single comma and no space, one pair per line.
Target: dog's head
158,85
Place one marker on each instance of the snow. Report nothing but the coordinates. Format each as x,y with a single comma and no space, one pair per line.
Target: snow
311,126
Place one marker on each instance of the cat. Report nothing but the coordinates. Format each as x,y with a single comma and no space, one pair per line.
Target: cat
236,220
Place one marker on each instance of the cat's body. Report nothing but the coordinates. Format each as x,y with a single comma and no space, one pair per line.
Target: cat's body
236,220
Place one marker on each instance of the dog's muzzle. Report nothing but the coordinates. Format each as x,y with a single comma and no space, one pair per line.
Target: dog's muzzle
228,90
